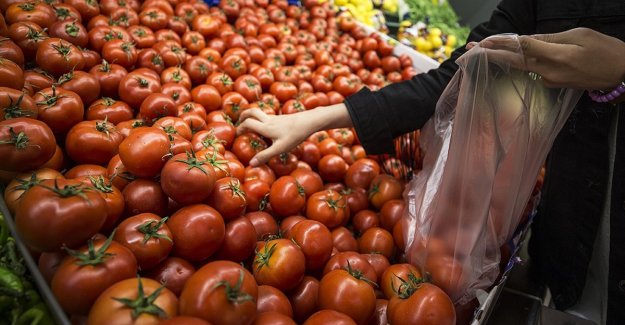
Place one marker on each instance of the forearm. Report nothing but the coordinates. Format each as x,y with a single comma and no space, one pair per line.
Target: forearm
325,118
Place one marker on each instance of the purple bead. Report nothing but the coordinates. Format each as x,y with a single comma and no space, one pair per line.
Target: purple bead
615,93
610,97
621,88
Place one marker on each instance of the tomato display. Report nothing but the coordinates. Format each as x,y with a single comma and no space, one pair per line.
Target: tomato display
138,103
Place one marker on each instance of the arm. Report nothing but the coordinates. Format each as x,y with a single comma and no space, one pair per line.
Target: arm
380,116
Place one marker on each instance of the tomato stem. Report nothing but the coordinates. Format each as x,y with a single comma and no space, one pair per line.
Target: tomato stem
93,257
262,257
234,294
100,184
407,287
15,110
143,304
193,162
358,274
150,230
20,140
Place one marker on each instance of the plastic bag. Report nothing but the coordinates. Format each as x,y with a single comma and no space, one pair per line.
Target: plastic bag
483,149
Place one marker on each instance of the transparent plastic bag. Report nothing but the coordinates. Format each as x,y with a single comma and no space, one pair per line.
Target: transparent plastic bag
483,149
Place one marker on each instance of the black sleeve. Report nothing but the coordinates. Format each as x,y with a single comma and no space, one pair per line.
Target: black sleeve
380,116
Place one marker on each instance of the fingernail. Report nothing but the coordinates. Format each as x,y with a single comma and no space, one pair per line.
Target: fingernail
254,162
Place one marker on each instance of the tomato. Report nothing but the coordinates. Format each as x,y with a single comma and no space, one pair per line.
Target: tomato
10,51
177,75
93,142
390,281
124,17
379,263
184,320
121,52
328,316
143,152
142,36
173,272
239,241
357,199
113,197
228,198
157,105
445,271
279,263
178,92
420,303
82,83
328,207
142,196
40,13
11,75
134,88
87,8
270,299
22,182
147,236
208,96
25,144
287,196
310,181
71,31
249,87
264,224
38,80
107,108
377,240
149,58
198,69
257,192
346,291
315,240
361,173
384,188
134,301
221,81
48,263
82,172
87,272
391,212
109,77
198,232
343,240
58,56
246,146
355,260
365,219
59,212
60,109
232,104
66,12
126,127
153,18
221,292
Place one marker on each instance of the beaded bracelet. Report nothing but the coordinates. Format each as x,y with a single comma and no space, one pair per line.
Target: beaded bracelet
604,97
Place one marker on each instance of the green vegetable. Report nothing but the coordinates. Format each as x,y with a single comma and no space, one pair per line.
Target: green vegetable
36,315
10,283
441,16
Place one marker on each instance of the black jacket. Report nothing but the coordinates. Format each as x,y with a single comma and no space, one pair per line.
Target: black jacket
564,232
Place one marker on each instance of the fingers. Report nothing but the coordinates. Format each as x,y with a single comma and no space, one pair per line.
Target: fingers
263,157
506,58
251,125
255,113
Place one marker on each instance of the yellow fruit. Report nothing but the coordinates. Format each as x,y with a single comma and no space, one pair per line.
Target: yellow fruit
435,32
451,40
340,2
420,44
448,51
436,41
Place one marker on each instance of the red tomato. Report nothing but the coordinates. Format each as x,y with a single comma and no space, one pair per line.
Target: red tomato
82,172
88,271
142,196
377,240
60,109
22,182
257,194
112,196
446,272
391,213
345,290
144,151
58,56
271,299
173,272
207,96
246,146
384,188
221,292
126,301
93,142
184,320
390,281
239,241
188,179
264,224
343,240
109,77
420,303
135,87
228,198
379,263
328,316
25,144
315,240
59,212
279,263
147,236
287,196
198,232
328,207
364,220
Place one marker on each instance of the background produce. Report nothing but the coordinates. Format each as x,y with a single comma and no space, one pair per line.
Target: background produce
128,182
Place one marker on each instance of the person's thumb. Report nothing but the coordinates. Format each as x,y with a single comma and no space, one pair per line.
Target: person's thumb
264,156
534,47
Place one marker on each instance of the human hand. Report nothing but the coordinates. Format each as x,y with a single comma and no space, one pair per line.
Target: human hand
579,58
288,131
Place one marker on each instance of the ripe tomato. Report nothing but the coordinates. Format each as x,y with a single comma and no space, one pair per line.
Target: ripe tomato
173,272
328,207
88,271
140,300
135,87
328,316
343,240
279,263
198,232
186,320
315,240
143,196
147,236
82,83
221,292
208,96
257,194
198,69
420,303
228,198
109,77
355,260
446,272
59,212
239,241
112,196
271,299
60,109
264,224
109,109
40,13
390,280
144,151
377,240
11,74
384,188
232,104
25,144
249,87
221,81
121,52
365,219
157,105
346,291
149,58
10,51
246,146
93,142
71,31
287,196
283,164
361,173
391,213
59,56
82,172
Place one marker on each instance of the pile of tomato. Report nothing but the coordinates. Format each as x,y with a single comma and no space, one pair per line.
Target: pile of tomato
128,181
